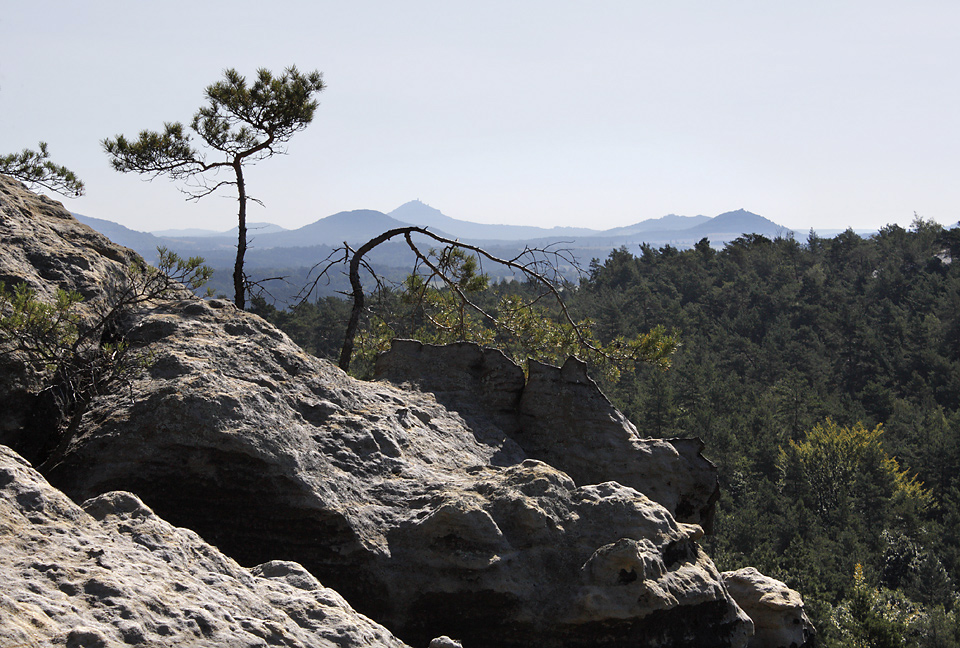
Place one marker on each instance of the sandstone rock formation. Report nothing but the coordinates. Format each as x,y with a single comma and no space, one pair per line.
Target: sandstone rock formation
46,248
386,496
431,519
561,417
776,610
113,573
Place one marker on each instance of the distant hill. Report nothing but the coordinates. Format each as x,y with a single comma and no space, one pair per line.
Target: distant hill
186,233
423,215
670,222
143,243
672,228
688,231
354,227
730,225
358,226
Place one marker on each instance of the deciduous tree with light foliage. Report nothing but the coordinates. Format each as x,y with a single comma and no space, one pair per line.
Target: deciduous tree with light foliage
241,124
835,464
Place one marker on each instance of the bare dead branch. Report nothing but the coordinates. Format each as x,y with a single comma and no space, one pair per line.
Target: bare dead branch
336,257
540,265
204,190
450,283
258,288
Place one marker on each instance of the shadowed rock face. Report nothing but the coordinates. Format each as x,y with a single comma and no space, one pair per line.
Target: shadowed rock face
559,416
433,521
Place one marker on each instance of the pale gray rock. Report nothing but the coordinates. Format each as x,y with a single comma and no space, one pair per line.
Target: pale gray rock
429,519
384,494
776,610
113,573
45,246
566,421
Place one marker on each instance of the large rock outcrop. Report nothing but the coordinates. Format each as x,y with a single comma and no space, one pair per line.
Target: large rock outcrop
421,522
43,246
431,520
559,416
113,573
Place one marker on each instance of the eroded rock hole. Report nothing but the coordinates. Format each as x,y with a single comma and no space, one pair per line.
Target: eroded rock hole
626,577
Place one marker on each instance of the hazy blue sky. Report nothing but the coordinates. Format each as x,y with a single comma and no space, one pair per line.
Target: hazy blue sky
822,114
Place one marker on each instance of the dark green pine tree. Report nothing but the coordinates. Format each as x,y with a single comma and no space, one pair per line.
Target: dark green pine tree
241,124
35,169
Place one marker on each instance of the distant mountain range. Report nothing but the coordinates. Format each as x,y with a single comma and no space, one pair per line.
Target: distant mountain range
418,213
356,227
281,252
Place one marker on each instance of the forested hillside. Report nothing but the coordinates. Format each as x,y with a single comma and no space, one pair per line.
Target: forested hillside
824,378
780,337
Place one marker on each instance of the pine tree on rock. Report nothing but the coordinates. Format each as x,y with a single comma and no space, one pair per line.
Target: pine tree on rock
241,124
36,170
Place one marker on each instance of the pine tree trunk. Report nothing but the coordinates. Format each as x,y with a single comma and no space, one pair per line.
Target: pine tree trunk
238,284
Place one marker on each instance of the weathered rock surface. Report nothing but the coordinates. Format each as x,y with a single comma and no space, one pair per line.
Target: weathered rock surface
113,573
776,610
561,417
431,520
445,642
386,496
46,248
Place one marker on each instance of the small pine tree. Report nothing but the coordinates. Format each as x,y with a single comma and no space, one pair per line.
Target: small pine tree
35,169
241,124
